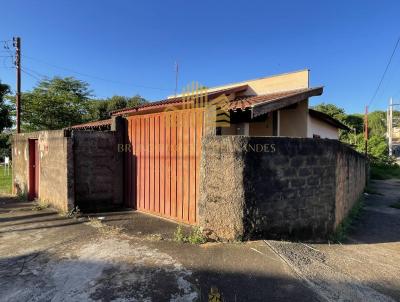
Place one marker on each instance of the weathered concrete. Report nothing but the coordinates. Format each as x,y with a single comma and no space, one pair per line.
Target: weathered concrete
45,257
77,168
55,182
276,186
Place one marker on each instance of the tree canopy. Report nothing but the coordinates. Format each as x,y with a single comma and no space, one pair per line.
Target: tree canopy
55,104
5,109
62,102
377,142
100,108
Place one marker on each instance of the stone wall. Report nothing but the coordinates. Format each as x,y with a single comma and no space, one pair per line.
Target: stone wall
98,170
55,182
277,187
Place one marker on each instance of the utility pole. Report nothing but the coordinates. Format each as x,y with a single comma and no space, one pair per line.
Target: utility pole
366,130
17,45
390,127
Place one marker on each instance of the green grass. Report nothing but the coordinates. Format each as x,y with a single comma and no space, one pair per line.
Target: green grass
5,180
343,229
384,171
195,237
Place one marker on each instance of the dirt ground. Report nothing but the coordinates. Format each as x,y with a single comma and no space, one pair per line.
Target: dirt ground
366,267
129,256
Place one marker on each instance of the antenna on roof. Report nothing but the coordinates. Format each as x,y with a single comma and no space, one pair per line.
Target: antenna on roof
176,77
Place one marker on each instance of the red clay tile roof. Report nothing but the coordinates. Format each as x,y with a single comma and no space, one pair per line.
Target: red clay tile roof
91,125
244,102
176,101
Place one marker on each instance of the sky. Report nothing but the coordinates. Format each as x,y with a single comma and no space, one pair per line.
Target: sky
127,47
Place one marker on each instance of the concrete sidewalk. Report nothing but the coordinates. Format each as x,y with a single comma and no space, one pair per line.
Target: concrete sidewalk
129,256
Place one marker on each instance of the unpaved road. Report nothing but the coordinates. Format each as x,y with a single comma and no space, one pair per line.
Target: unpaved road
366,267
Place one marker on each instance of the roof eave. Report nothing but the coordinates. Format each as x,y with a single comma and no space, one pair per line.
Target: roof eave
282,102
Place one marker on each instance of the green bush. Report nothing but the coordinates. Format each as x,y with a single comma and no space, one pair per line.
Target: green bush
384,171
195,237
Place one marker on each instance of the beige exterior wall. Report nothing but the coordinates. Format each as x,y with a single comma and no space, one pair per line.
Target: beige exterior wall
261,128
294,122
282,82
236,129
55,167
324,130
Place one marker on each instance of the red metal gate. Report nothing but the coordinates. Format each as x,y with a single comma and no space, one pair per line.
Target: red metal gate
162,169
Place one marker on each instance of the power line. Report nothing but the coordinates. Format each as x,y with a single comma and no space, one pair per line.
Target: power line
93,76
384,73
28,73
35,72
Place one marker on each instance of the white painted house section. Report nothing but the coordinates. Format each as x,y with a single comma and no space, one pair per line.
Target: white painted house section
322,129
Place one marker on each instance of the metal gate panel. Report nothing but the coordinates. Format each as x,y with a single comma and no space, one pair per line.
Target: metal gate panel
162,169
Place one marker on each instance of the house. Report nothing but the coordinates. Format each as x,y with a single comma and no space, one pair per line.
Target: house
269,106
241,159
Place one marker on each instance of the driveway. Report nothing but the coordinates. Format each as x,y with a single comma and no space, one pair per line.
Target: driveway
129,256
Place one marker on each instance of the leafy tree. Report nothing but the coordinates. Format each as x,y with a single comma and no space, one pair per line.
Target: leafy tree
5,145
377,142
55,104
5,109
100,109
136,100
332,110
377,123
355,121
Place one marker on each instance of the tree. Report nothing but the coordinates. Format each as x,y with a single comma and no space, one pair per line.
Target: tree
377,123
377,142
331,110
5,109
355,121
55,104
100,109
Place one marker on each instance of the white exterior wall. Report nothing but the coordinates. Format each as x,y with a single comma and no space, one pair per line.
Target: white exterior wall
324,130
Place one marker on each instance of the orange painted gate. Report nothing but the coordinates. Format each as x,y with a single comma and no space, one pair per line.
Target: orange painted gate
162,169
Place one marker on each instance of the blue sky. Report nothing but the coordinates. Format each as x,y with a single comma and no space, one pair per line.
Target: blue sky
134,44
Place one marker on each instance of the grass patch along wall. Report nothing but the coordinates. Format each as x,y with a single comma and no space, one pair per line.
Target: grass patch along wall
5,180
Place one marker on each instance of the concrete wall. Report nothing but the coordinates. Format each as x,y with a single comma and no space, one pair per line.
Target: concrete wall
293,121
98,170
323,129
276,186
81,168
55,169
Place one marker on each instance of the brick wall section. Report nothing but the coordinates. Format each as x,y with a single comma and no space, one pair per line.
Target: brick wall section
276,186
98,169
55,187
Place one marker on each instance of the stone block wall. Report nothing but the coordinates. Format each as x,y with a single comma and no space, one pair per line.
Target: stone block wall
277,187
98,170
